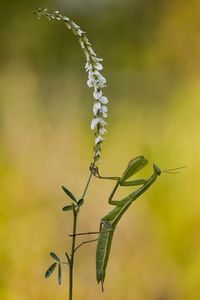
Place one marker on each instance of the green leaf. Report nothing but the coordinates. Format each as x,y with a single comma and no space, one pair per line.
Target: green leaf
50,270
68,258
68,207
59,274
80,202
55,256
69,194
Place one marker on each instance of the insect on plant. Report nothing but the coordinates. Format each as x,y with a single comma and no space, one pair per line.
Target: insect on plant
109,222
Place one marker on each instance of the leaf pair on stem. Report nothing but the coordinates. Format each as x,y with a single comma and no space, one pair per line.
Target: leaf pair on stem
76,203
53,267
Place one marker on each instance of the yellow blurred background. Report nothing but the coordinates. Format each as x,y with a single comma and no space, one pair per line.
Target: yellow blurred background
151,53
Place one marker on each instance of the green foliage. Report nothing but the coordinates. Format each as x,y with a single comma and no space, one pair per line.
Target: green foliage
59,274
50,270
67,208
54,256
69,194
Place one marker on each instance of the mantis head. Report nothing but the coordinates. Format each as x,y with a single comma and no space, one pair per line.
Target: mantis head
156,170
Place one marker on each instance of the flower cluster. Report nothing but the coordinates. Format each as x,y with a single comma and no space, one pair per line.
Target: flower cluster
95,79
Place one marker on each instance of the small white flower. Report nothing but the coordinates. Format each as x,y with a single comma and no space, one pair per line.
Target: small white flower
90,73
97,94
86,40
80,32
99,139
65,18
87,54
75,25
96,108
102,130
98,66
91,50
82,44
98,59
103,100
90,83
102,122
104,108
101,81
94,123
88,66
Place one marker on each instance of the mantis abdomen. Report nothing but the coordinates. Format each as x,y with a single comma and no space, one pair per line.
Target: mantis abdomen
102,254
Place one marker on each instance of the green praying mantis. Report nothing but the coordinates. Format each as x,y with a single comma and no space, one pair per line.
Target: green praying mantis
109,222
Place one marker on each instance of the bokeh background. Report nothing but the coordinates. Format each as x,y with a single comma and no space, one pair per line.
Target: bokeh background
151,53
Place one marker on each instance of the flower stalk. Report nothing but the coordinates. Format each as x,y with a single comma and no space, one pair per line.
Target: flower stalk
95,80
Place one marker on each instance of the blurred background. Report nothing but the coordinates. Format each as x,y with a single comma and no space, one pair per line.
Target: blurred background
151,55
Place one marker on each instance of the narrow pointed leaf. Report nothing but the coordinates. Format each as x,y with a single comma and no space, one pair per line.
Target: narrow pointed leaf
59,274
50,270
68,258
55,256
69,194
80,202
66,208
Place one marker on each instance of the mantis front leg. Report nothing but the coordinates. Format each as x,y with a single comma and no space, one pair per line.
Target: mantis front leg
121,181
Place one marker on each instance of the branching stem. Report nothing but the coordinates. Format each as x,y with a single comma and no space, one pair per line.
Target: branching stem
74,234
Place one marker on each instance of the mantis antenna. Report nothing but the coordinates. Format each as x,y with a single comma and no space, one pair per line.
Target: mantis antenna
174,171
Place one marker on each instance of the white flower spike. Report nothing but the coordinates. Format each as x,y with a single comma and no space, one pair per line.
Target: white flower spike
95,78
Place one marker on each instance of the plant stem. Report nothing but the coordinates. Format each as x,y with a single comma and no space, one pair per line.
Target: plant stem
87,184
71,265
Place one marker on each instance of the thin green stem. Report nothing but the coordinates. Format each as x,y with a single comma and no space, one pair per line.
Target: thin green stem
71,266
87,185
73,247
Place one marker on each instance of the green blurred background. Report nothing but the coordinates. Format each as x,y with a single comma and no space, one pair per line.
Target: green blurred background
151,52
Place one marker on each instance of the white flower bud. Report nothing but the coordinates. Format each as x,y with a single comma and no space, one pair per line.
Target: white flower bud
82,44
97,94
99,139
98,66
102,130
102,122
103,100
94,123
104,108
96,108
90,83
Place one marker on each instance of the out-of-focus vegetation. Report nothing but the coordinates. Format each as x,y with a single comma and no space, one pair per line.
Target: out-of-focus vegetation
151,55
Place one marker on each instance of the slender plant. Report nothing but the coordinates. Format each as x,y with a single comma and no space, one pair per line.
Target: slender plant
109,222
96,81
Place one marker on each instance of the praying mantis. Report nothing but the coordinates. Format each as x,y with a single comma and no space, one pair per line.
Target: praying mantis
109,222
